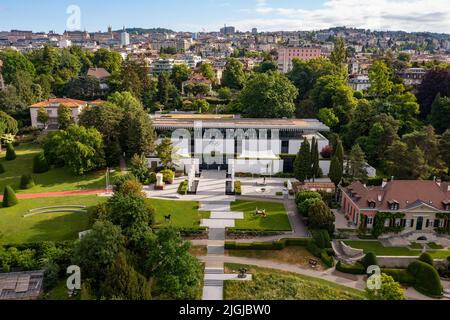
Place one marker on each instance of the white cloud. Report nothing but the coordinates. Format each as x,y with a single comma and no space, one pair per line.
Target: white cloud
407,15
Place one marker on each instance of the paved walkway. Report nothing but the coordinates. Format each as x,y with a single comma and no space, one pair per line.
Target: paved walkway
351,281
221,218
58,194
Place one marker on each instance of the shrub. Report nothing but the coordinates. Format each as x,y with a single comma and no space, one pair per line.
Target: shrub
370,259
2,168
326,152
238,188
402,276
305,195
314,249
10,152
303,207
168,176
327,259
183,188
426,257
322,238
9,197
357,268
26,182
427,279
40,163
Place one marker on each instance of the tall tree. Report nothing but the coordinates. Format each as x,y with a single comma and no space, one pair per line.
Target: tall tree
267,95
336,170
357,162
163,89
440,114
436,81
321,217
180,73
42,116
107,59
339,54
444,148
177,274
65,116
315,167
380,80
122,281
208,72
406,163
14,61
233,75
302,164
165,152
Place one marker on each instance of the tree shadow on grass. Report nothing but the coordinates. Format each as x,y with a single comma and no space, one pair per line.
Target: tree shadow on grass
60,228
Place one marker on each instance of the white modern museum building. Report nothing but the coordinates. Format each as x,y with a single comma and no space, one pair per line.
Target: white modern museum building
219,142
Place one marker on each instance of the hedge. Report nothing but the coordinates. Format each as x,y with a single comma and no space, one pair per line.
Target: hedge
327,259
275,245
322,238
183,187
305,195
9,197
370,259
357,268
168,176
426,257
40,164
26,182
402,276
2,168
10,152
427,280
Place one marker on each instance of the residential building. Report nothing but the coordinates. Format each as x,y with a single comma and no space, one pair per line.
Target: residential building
21,285
164,65
51,106
286,55
411,205
259,146
102,75
65,43
359,83
413,76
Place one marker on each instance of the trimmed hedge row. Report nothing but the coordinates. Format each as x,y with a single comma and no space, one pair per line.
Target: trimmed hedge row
275,245
400,275
357,268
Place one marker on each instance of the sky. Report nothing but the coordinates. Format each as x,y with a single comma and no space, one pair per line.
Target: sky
211,15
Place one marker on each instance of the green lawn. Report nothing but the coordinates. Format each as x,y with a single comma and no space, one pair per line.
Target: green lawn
185,214
15,229
276,220
377,248
271,284
57,179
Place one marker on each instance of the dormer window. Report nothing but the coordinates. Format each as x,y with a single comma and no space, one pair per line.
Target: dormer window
394,205
372,204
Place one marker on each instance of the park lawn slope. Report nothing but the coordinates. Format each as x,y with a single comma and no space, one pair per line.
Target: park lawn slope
380,250
15,229
276,220
57,179
271,284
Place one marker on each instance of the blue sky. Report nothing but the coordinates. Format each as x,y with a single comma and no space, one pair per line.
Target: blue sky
210,15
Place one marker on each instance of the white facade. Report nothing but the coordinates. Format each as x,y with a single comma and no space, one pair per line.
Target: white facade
124,38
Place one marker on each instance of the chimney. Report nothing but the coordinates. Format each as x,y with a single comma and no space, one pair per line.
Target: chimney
380,198
385,181
438,182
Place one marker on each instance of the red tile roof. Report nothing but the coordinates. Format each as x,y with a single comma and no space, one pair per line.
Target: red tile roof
407,193
72,103
98,73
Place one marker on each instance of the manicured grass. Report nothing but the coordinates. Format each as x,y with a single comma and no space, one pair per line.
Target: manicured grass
185,214
271,284
377,248
15,229
57,179
276,220
298,256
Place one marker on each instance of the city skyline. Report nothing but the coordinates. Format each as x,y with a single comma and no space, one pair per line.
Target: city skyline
211,15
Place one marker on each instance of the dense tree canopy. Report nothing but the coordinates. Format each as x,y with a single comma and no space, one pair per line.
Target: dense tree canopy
267,95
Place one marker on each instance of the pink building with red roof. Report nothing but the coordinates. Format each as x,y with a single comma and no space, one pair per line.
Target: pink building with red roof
415,205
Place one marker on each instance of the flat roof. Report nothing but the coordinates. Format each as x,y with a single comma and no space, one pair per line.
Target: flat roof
188,121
